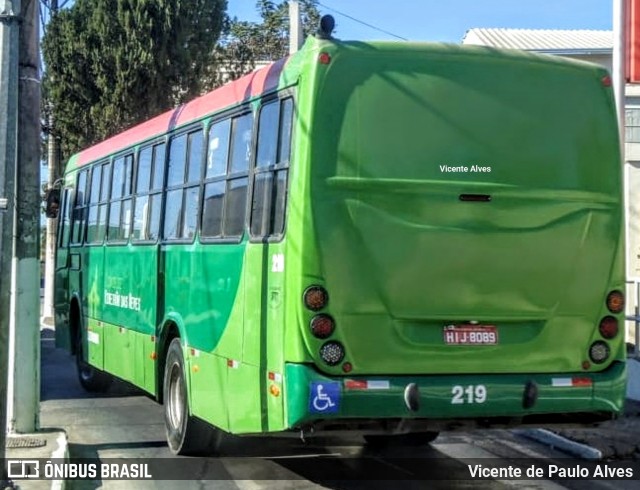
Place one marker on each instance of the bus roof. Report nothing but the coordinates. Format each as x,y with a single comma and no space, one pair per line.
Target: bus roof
233,93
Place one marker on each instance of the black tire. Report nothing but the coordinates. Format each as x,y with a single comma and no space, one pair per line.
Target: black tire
91,378
186,435
409,440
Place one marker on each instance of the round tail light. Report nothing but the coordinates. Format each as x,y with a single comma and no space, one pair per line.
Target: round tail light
599,352
315,297
332,353
608,327
322,326
615,301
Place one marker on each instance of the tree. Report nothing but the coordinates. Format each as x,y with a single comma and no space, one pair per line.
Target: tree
246,43
112,63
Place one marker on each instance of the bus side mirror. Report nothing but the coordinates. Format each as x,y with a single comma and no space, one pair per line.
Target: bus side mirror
53,203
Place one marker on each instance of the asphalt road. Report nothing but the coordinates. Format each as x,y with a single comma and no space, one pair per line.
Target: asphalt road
124,423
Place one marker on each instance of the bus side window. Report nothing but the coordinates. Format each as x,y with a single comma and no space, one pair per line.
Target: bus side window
141,210
235,203
78,218
117,184
148,202
272,168
175,178
192,190
120,205
217,161
93,224
155,195
103,205
65,219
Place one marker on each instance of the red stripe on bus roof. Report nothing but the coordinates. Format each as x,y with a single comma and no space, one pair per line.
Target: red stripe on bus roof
233,93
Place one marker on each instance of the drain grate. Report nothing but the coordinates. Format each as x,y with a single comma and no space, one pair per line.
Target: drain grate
24,442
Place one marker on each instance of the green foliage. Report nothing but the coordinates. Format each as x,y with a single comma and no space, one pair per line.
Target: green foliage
246,43
113,63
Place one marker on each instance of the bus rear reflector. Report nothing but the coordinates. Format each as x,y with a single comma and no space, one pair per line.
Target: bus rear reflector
608,327
355,384
581,382
615,301
324,58
575,382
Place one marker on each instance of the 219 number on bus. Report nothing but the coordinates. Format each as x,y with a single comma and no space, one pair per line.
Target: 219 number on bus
468,394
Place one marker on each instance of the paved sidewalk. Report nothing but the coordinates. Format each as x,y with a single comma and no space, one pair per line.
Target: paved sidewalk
616,439
47,444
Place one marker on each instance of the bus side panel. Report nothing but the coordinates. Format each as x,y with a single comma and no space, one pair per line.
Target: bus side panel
129,298
262,347
61,282
208,379
203,287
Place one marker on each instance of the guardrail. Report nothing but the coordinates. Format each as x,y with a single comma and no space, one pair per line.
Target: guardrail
635,318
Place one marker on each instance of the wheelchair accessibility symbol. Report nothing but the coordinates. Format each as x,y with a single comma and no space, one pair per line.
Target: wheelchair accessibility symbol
324,397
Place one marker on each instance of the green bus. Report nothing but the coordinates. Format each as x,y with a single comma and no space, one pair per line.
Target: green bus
392,239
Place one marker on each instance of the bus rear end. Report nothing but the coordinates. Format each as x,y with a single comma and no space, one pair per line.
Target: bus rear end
463,242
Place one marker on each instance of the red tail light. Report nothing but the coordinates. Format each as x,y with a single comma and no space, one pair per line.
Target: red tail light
322,326
608,327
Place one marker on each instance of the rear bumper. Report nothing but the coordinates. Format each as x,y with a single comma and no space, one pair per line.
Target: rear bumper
447,402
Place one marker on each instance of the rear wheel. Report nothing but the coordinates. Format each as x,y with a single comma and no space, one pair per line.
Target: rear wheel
412,440
91,378
185,434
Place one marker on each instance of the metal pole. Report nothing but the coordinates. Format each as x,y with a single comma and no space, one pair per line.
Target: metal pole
9,29
618,69
53,167
295,27
24,358
619,83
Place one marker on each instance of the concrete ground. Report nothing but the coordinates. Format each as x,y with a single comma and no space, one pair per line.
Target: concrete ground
616,439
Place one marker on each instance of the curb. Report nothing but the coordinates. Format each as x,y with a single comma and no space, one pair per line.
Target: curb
563,444
54,447
62,452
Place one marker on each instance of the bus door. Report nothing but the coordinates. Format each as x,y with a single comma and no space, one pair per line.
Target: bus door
265,264
61,280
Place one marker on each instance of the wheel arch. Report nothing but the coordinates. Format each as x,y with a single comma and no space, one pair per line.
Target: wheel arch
172,327
75,321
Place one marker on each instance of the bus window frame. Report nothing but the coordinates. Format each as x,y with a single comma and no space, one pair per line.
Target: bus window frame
64,217
104,162
162,140
186,130
280,97
129,151
85,208
237,112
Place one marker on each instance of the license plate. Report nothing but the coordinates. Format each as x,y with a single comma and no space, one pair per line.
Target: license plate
470,334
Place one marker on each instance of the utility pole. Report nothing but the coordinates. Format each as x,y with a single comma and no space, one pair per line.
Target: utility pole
53,167
295,27
24,357
618,66
9,33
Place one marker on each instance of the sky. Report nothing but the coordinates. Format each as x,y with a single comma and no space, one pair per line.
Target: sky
448,20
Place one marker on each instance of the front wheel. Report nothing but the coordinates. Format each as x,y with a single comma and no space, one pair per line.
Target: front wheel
91,378
185,434
410,440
